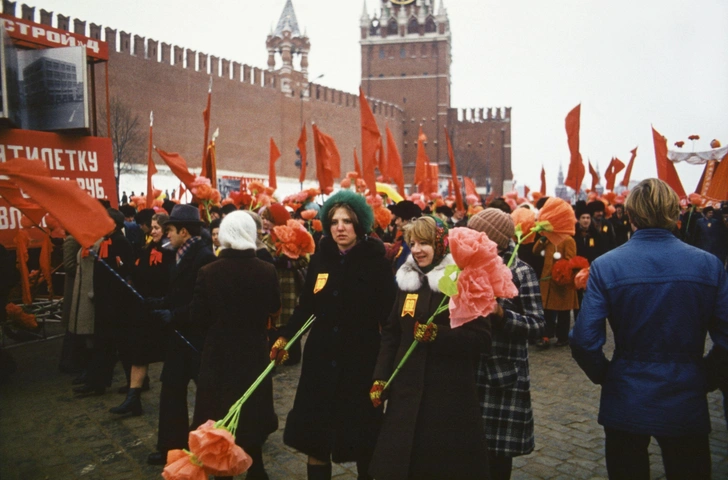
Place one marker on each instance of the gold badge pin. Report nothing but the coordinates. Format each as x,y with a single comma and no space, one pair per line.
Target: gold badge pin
320,282
604,229
410,302
591,242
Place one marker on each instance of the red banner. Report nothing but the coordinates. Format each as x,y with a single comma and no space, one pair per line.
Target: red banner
87,160
31,33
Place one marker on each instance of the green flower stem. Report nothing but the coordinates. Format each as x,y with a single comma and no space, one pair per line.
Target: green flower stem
230,422
518,245
441,308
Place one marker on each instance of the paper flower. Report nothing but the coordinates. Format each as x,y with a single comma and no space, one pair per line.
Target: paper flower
316,225
382,217
292,240
526,218
483,277
679,144
216,449
561,272
309,214
581,279
17,316
694,137
695,199
345,183
578,262
182,465
561,217
715,143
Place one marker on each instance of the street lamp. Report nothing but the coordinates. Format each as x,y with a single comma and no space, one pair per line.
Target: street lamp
307,88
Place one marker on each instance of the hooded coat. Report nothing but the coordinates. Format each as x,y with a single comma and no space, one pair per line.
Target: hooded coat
432,428
332,414
556,297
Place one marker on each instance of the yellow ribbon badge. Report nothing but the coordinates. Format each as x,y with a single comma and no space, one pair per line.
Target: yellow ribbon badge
591,242
320,282
410,302
605,229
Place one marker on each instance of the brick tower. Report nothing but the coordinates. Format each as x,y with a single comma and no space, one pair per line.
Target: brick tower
405,59
288,41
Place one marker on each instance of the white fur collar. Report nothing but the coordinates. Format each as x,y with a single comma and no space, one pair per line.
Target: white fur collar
409,276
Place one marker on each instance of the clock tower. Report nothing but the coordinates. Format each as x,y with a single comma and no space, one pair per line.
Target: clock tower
405,59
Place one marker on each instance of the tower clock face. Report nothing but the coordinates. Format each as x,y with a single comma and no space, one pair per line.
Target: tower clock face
402,2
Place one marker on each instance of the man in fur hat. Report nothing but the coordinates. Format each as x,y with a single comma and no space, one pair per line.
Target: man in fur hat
605,229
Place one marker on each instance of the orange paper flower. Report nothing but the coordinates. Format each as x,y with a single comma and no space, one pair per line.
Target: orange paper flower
483,278
316,225
561,217
182,466
309,214
578,263
695,199
679,144
292,240
216,449
382,217
581,279
526,218
715,143
694,137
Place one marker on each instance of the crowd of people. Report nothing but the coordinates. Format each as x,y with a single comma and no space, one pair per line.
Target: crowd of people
213,298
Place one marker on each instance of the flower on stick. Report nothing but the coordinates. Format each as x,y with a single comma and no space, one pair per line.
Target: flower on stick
292,240
472,285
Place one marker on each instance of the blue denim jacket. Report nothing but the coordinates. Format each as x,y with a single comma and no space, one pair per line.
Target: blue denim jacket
661,297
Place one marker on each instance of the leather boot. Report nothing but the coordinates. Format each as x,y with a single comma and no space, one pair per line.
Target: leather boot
318,472
132,404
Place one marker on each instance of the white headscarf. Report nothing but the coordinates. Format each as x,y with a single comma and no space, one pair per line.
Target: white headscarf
237,231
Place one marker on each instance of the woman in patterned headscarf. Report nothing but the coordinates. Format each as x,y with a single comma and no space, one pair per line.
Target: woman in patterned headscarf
432,427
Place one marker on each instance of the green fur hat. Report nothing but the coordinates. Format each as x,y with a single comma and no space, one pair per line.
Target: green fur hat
363,211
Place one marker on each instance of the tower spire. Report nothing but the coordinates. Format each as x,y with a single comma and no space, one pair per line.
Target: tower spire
288,21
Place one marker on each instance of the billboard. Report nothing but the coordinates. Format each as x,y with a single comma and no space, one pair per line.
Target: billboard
9,89
86,160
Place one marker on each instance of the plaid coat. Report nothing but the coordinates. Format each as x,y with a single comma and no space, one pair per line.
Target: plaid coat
503,377
291,277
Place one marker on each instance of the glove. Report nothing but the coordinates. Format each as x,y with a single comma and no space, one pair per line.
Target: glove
277,352
377,394
425,333
163,316
153,303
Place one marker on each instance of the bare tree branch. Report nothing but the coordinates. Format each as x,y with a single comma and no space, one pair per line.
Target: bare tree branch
127,138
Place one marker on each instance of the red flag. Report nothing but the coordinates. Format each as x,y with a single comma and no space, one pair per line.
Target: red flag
460,206
615,166
394,162
206,120
181,193
543,181
718,188
370,141
594,175
357,168
178,165
275,154
628,172
433,176
526,191
470,187
665,168
382,161
151,169
422,159
22,240
63,199
576,165
12,194
328,160
302,151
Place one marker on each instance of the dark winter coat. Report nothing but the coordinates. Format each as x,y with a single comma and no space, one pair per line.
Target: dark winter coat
332,414
432,427
113,300
181,361
151,279
233,298
588,245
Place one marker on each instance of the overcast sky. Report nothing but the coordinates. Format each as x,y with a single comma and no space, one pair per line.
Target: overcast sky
630,63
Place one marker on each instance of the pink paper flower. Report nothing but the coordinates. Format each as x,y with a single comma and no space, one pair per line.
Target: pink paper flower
484,276
216,449
183,466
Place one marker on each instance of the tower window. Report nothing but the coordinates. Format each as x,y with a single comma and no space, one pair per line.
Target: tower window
402,52
381,75
430,25
413,26
381,52
392,28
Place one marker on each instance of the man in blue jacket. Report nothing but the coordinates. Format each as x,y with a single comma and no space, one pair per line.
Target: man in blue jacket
661,296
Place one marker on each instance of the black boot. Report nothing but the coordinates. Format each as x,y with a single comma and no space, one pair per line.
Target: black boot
132,404
318,472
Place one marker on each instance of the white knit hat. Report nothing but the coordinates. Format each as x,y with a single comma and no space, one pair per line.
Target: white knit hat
237,231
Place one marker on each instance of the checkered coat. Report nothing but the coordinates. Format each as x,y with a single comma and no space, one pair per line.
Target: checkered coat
503,377
291,277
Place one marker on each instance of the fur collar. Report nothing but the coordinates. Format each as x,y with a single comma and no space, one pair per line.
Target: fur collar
409,276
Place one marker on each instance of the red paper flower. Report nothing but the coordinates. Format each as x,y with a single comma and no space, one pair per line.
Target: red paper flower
694,137
715,143
345,183
561,272
578,263
216,449
316,225
695,199
256,187
581,279
679,144
483,278
182,466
